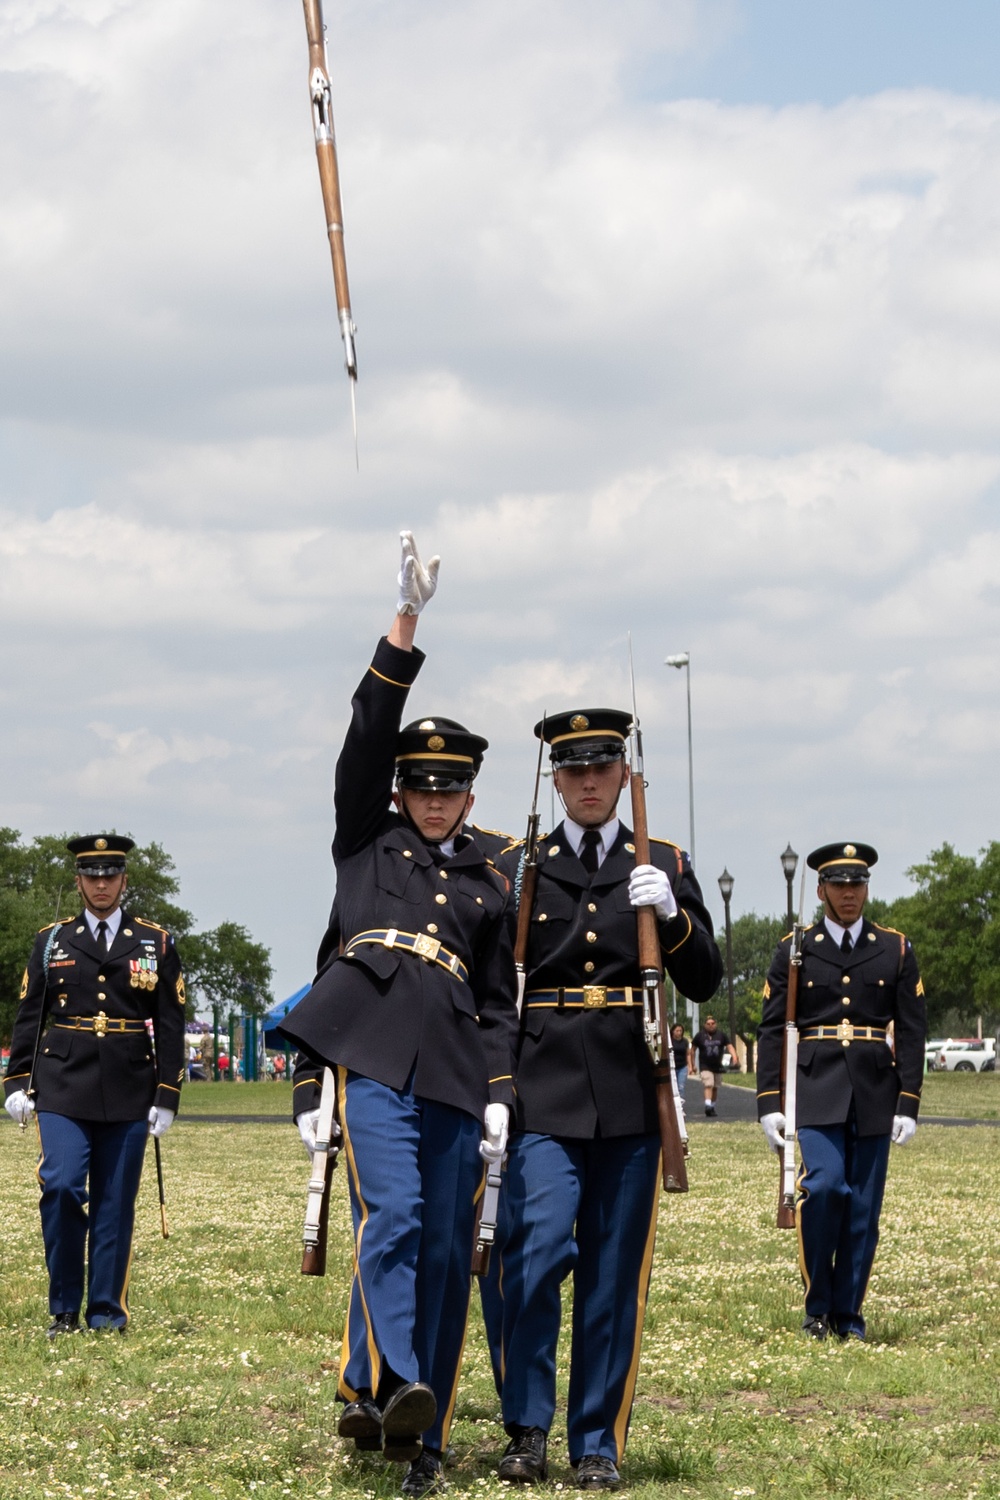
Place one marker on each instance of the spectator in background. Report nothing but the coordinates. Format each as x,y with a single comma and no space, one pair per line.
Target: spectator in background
711,1045
681,1050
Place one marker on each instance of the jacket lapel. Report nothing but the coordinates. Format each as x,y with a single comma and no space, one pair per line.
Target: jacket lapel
557,860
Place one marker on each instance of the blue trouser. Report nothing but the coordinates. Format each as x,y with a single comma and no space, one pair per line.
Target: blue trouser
414,1168
110,1155
842,1183
586,1206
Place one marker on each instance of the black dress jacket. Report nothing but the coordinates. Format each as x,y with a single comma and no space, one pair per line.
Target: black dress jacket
876,984
87,1068
586,1072
388,1014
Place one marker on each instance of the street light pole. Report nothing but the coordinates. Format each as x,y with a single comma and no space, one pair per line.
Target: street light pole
726,887
789,861
683,659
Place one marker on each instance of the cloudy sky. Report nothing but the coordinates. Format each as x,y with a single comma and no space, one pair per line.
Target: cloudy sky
674,316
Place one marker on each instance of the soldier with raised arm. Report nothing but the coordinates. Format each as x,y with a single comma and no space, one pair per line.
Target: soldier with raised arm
416,1013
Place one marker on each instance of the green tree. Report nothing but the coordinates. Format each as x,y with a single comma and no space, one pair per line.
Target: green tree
37,887
225,967
953,921
754,941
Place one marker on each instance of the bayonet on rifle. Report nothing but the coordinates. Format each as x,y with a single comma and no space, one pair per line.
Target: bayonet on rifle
329,176
673,1131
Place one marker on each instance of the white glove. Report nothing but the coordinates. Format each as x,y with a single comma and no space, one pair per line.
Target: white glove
160,1121
20,1107
417,584
903,1129
308,1123
649,886
496,1123
773,1127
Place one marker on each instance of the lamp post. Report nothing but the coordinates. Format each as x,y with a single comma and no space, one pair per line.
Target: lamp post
683,659
789,862
726,887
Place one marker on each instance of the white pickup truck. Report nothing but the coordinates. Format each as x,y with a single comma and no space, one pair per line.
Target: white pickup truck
967,1055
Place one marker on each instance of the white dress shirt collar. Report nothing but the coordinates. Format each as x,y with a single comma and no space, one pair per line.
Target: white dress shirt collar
114,921
609,832
837,932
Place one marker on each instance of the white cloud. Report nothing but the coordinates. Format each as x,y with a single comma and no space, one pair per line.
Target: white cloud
720,375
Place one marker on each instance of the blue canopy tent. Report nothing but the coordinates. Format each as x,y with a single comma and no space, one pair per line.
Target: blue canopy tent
274,1017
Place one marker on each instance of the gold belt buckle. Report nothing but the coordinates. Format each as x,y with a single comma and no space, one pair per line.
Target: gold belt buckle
100,1024
595,996
845,1033
426,947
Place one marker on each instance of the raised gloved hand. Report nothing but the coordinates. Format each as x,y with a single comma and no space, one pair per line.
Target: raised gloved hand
649,886
903,1130
19,1107
773,1127
496,1123
417,584
308,1123
160,1121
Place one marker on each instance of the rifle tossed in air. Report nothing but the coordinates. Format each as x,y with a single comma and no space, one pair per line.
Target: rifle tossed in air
527,880
324,1161
673,1131
329,176
789,1072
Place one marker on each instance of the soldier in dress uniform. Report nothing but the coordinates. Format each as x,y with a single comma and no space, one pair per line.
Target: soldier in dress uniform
862,1028
417,1014
582,1174
97,1085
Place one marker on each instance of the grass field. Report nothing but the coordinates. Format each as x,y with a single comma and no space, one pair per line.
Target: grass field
953,1096
225,1384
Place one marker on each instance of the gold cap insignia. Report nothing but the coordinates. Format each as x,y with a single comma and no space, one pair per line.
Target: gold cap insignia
435,742
100,843
850,851
579,721
426,724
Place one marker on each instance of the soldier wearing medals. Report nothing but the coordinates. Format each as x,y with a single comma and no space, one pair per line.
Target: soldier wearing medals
82,1062
582,1174
861,1034
417,1014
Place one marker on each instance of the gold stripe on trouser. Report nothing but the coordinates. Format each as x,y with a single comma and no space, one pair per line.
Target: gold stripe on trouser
798,1221
123,1294
373,1354
453,1395
41,1155
625,1410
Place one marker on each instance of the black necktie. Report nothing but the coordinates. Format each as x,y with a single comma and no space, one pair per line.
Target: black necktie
846,943
102,936
588,850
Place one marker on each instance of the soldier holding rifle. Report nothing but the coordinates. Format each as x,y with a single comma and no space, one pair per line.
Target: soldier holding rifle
854,1092
582,1170
82,1062
417,1016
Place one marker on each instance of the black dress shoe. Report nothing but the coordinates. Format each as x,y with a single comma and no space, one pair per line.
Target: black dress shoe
524,1458
64,1323
409,1411
595,1472
816,1328
424,1476
362,1421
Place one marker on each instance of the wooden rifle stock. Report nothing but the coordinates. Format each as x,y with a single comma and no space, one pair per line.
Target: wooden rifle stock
487,1209
675,1178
